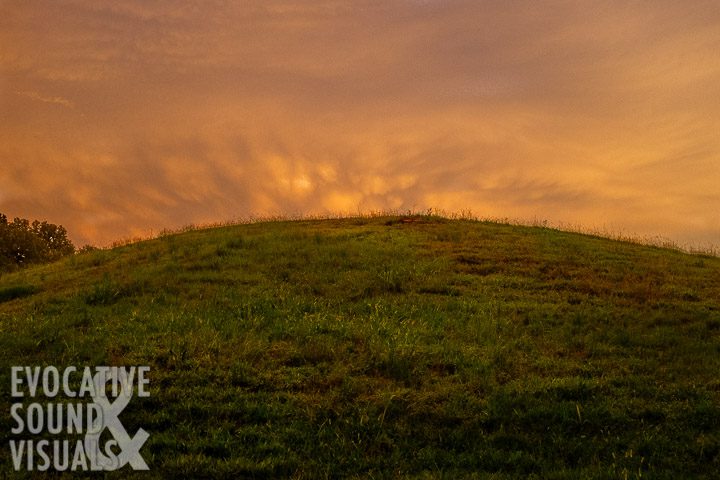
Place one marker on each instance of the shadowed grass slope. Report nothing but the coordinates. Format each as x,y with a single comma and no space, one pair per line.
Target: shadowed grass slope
390,347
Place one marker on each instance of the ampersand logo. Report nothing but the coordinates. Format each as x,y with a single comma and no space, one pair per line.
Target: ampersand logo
129,447
83,434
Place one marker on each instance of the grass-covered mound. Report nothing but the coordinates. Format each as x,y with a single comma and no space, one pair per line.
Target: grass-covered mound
389,347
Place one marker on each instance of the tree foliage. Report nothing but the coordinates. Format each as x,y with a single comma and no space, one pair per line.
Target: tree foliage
23,242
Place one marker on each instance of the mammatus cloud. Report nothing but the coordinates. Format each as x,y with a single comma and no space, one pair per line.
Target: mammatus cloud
602,114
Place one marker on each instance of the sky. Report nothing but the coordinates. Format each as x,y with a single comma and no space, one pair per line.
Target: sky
120,118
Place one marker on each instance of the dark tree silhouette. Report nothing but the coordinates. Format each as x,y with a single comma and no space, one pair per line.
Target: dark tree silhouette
23,243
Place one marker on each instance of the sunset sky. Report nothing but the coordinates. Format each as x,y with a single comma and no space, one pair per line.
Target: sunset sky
121,118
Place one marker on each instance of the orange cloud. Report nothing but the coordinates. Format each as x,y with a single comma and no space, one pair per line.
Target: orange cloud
46,99
183,111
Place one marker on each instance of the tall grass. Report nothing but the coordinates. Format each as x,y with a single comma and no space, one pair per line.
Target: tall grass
390,347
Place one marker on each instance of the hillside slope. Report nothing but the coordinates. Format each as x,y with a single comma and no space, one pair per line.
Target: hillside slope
389,347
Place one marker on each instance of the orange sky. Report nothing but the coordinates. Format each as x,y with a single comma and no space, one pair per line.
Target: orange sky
118,118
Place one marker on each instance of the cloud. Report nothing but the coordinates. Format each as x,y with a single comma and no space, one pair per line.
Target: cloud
595,113
46,99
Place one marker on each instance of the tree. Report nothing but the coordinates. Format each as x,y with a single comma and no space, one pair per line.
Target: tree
23,243
54,237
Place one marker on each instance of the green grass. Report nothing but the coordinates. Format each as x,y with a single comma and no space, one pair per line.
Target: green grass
389,347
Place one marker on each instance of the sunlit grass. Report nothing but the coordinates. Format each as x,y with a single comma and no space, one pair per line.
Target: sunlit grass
391,346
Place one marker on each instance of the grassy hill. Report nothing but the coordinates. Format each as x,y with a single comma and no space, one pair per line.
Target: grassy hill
389,347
